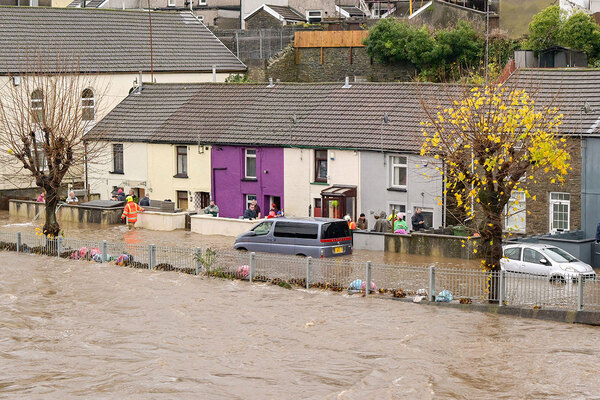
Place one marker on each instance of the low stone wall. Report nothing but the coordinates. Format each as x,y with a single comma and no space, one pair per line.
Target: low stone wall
161,221
416,243
66,212
208,225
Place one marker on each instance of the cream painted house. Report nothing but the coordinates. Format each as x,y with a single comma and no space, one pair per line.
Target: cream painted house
114,48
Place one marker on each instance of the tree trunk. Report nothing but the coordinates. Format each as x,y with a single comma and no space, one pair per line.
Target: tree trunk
51,227
491,245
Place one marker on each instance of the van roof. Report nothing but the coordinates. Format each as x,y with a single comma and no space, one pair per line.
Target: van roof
310,219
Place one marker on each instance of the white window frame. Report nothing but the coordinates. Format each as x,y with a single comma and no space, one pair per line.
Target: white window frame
246,157
398,207
200,18
393,165
201,2
249,198
171,3
559,201
88,103
515,221
309,16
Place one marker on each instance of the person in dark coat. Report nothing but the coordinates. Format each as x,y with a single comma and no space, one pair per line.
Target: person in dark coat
250,213
121,195
145,201
417,220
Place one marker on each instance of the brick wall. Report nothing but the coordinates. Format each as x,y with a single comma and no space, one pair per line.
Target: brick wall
538,216
337,64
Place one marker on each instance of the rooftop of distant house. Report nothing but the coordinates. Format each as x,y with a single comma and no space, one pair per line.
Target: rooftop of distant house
109,41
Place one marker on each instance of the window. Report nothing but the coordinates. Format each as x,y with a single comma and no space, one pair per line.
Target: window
181,162
296,230
398,172
249,198
559,255
532,256
513,253
263,228
182,199
171,3
515,213
560,206
117,158
320,165
37,106
314,16
87,105
250,162
200,18
41,163
396,209
335,230
202,3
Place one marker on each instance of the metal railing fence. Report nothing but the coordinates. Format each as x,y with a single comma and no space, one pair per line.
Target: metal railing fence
337,274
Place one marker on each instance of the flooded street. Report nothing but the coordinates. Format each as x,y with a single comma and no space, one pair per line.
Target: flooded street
84,330
216,242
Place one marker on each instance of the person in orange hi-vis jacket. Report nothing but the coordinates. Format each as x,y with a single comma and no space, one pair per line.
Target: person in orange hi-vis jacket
131,212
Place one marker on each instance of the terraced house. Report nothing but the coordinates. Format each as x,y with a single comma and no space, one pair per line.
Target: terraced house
312,149
114,47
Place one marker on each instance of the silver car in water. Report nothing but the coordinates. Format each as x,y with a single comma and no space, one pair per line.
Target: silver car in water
544,260
314,237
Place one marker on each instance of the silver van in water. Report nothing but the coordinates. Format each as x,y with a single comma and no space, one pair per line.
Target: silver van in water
314,237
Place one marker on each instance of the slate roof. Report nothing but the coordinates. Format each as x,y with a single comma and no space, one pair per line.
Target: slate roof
568,89
354,12
299,115
287,13
108,41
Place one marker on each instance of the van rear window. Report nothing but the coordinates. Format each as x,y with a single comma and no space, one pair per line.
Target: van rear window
296,230
335,230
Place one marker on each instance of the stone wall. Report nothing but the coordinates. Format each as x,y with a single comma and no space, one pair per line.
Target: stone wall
538,211
441,15
263,20
515,15
337,64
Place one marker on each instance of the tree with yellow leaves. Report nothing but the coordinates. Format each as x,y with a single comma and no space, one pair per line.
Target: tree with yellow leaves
492,141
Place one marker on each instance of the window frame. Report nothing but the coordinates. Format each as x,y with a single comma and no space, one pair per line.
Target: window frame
248,156
87,104
38,107
393,165
248,198
319,159
171,3
119,153
534,251
201,2
183,171
564,200
310,17
393,206
513,218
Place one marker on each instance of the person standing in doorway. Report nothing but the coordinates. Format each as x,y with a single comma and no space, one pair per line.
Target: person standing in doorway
417,220
130,212
256,209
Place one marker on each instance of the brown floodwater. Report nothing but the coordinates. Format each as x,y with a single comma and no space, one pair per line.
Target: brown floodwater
73,329
189,239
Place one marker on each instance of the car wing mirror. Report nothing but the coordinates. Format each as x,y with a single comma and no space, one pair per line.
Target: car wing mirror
251,233
543,261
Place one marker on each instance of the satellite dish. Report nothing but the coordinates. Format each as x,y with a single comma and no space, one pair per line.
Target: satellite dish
587,108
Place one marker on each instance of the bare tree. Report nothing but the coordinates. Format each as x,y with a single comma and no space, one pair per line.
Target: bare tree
45,110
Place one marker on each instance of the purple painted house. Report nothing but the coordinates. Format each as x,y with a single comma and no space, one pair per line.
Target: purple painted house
243,174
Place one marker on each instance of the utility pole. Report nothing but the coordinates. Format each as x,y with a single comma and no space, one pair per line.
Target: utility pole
151,55
487,39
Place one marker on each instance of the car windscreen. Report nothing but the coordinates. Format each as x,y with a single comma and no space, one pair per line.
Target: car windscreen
335,230
559,255
296,230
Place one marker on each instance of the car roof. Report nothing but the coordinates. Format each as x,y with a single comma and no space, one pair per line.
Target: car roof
539,246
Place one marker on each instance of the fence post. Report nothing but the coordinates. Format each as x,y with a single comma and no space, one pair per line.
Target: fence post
199,257
431,283
260,43
19,242
368,278
579,293
252,265
104,251
308,268
237,45
151,256
58,246
501,289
